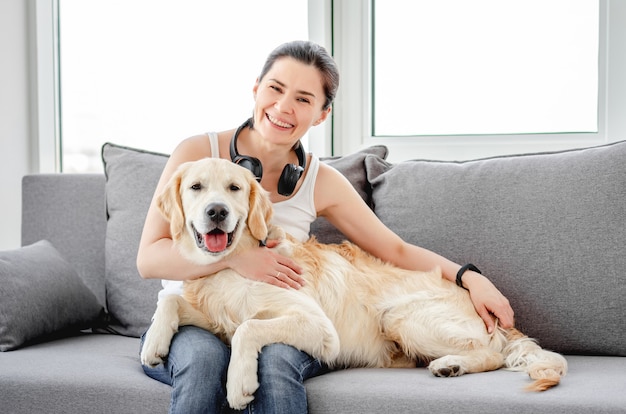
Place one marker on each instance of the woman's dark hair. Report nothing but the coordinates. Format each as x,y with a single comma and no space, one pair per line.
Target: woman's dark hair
308,53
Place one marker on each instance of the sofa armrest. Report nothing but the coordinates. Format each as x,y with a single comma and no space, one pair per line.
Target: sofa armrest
69,211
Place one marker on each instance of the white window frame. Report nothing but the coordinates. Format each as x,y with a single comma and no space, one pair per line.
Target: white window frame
321,31
352,121
45,151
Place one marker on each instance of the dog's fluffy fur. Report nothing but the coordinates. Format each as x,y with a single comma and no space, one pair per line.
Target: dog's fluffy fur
353,311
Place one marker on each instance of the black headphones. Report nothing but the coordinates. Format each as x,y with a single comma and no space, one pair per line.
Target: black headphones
288,178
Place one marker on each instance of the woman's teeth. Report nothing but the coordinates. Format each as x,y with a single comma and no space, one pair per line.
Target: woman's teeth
279,123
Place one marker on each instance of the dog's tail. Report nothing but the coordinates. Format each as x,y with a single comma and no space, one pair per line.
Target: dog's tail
522,353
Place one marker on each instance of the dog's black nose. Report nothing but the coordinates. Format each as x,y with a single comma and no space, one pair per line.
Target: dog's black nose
216,212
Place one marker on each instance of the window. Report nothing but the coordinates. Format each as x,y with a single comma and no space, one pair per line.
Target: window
453,67
395,51
148,73
348,28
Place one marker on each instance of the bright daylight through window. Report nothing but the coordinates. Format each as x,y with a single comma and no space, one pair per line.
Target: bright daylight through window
458,67
148,73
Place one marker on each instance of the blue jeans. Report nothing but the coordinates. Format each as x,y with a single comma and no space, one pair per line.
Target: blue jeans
196,369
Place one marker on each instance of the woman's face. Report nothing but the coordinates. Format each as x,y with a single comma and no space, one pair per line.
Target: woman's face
288,101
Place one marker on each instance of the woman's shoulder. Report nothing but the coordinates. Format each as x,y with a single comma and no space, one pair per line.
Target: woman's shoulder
327,174
332,188
192,149
199,146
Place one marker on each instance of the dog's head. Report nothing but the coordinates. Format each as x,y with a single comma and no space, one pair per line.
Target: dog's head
214,208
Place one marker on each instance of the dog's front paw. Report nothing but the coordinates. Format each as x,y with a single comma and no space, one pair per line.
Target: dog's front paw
241,385
239,401
446,367
156,346
240,394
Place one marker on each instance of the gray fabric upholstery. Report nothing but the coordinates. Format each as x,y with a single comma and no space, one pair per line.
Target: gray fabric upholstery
131,177
41,295
68,211
353,168
91,373
593,385
101,373
547,229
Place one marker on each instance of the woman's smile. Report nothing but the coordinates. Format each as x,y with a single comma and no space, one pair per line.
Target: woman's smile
277,122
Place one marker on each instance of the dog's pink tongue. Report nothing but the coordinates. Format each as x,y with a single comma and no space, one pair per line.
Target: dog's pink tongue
216,242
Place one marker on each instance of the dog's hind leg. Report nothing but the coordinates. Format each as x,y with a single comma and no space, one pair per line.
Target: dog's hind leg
439,328
466,362
523,354
172,311
307,330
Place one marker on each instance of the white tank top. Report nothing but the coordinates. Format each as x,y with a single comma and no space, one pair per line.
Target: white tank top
294,215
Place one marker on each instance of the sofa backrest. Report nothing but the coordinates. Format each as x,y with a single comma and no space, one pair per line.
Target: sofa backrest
547,229
69,211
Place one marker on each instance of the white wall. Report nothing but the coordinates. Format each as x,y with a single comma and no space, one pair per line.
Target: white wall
14,117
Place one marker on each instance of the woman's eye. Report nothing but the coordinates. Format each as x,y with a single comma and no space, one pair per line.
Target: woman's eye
276,88
196,187
305,100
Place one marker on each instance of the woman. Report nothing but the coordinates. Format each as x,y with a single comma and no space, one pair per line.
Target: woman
294,92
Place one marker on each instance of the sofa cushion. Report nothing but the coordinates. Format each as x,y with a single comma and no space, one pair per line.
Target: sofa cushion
547,229
87,373
353,168
593,385
60,377
42,295
59,206
131,177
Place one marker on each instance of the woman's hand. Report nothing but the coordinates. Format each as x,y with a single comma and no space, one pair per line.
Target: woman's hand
266,265
488,301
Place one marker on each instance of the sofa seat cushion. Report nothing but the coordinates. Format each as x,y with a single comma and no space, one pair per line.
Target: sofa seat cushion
90,373
547,229
593,385
102,374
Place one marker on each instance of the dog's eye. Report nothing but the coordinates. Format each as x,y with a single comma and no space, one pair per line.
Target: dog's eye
196,187
234,187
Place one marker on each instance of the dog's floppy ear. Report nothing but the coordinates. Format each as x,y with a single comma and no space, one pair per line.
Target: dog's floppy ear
170,204
260,211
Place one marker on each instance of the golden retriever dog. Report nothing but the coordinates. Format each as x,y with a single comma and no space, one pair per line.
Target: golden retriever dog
354,310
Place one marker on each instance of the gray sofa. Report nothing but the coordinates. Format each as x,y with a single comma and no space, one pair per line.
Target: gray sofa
547,229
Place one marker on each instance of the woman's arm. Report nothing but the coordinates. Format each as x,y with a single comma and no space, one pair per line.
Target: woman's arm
158,258
357,221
